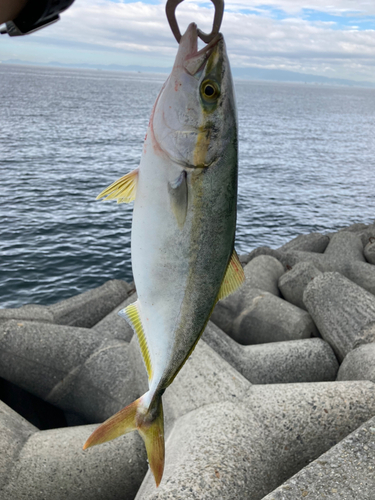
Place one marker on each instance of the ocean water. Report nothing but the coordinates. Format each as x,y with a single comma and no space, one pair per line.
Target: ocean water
306,163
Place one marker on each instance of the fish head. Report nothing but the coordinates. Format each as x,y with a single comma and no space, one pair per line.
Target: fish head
194,116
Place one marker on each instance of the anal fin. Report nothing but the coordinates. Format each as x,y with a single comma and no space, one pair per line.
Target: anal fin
132,316
123,190
234,277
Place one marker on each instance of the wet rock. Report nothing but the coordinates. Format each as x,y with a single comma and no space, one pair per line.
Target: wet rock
307,360
87,309
51,464
293,283
73,368
313,242
359,364
369,251
340,309
345,472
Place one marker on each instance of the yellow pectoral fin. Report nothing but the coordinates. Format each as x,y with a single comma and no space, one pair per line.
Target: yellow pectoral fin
131,314
234,277
123,190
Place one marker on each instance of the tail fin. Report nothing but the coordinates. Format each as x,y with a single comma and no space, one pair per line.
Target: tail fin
150,424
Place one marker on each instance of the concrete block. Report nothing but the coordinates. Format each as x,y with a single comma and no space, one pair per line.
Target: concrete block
302,421
313,242
14,432
269,319
114,325
366,335
73,368
345,472
204,379
340,309
291,258
292,284
369,251
32,312
245,259
307,360
36,465
87,309
38,412
214,452
245,448
261,273
361,273
359,364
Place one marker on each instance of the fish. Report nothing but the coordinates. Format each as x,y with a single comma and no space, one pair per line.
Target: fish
183,229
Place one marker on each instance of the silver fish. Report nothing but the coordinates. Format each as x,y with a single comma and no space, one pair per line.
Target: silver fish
184,219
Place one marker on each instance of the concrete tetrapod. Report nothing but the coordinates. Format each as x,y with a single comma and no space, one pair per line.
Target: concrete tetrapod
261,273
114,325
87,309
312,242
228,442
255,314
345,472
305,360
83,310
369,251
344,254
293,283
75,369
359,364
31,312
36,465
340,309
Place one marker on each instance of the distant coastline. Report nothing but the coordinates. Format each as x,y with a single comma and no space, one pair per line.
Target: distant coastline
250,73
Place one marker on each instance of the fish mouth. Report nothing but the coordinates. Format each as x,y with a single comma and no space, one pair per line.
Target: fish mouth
193,60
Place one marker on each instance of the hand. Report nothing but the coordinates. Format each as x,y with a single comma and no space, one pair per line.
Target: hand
9,9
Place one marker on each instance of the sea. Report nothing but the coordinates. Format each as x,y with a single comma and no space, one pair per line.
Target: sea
306,163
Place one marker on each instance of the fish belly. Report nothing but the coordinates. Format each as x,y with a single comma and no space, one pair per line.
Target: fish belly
178,270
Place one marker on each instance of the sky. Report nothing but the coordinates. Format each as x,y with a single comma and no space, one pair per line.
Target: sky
332,38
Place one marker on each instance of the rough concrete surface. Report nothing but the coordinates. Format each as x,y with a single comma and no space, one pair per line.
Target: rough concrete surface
340,310
305,360
345,472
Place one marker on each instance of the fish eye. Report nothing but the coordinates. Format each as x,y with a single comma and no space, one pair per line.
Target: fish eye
210,90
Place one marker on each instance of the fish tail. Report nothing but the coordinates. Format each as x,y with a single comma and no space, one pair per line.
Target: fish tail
147,420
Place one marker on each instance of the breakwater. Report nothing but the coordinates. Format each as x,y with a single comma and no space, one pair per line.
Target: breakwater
277,402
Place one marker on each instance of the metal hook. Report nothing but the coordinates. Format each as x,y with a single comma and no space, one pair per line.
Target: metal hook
170,10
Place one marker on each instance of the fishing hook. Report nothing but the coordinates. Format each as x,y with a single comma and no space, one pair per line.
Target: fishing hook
170,10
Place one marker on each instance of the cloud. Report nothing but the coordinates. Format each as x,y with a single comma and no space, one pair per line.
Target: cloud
256,34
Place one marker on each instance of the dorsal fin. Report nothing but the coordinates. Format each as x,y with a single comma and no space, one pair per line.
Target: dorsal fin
123,190
234,277
132,316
